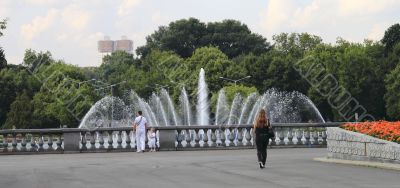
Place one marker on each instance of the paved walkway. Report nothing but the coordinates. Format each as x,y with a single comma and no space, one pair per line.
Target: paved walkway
204,169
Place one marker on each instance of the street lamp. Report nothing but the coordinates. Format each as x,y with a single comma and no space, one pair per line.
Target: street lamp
234,81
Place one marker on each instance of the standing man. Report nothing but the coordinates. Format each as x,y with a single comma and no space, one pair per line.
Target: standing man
140,125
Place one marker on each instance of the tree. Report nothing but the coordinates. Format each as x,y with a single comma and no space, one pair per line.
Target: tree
3,61
3,25
391,37
392,83
20,114
296,44
184,36
35,60
215,63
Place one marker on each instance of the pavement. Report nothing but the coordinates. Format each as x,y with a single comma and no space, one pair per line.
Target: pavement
205,169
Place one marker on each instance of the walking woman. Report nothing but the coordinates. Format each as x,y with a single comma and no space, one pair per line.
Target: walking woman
261,129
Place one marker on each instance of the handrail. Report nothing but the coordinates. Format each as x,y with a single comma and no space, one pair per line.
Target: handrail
180,127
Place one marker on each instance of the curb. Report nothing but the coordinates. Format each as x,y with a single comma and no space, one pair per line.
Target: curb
388,166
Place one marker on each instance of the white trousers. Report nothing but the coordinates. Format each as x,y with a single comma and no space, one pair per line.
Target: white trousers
140,139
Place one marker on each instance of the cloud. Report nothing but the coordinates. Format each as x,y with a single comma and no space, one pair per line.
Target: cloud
350,19
127,6
277,12
40,2
74,17
4,8
377,31
362,7
38,25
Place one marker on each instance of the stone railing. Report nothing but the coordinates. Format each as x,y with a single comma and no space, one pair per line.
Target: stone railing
348,145
30,141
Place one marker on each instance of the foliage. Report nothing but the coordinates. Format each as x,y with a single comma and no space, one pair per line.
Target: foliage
3,61
391,37
20,114
3,26
392,95
380,129
173,56
184,36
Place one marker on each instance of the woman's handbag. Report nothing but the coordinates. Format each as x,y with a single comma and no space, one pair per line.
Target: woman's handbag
271,133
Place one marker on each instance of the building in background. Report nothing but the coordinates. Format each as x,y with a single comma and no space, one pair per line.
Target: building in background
108,46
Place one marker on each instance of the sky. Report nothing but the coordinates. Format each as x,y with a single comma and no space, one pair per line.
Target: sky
70,29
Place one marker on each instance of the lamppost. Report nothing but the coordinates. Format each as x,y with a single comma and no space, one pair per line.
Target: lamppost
234,81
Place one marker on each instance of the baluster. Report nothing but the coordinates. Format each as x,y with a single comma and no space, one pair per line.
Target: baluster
290,136
324,136
179,138
307,136
59,143
299,136
5,143
83,141
231,137
101,139
14,142
92,140
248,137
205,138
196,138
213,138
273,139
110,140
41,142
222,136
119,140
240,137
32,143
23,142
128,139
281,136
188,139
50,143
315,137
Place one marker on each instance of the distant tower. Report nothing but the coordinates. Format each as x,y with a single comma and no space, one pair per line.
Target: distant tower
107,46
124,45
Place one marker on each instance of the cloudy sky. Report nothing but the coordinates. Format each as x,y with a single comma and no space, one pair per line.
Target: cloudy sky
69,29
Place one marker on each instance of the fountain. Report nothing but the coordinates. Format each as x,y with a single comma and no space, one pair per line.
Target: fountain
281,106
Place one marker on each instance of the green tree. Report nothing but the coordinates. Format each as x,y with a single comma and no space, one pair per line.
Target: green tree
20,114
3,61
3,26
391,37
184,36
392,95
295,44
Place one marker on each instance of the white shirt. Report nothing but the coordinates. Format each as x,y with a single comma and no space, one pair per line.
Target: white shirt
140,121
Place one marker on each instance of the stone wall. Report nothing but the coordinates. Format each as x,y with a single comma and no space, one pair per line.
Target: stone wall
348,145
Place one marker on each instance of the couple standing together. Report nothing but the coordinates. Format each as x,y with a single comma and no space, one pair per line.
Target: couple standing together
140,126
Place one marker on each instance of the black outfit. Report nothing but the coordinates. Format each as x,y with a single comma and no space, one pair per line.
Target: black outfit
262,140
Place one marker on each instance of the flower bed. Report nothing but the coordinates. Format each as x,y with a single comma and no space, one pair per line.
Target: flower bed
380,129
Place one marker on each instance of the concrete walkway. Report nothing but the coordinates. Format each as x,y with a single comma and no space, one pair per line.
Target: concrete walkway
204,169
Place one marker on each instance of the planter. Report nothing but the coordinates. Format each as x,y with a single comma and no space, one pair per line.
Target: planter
348,145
